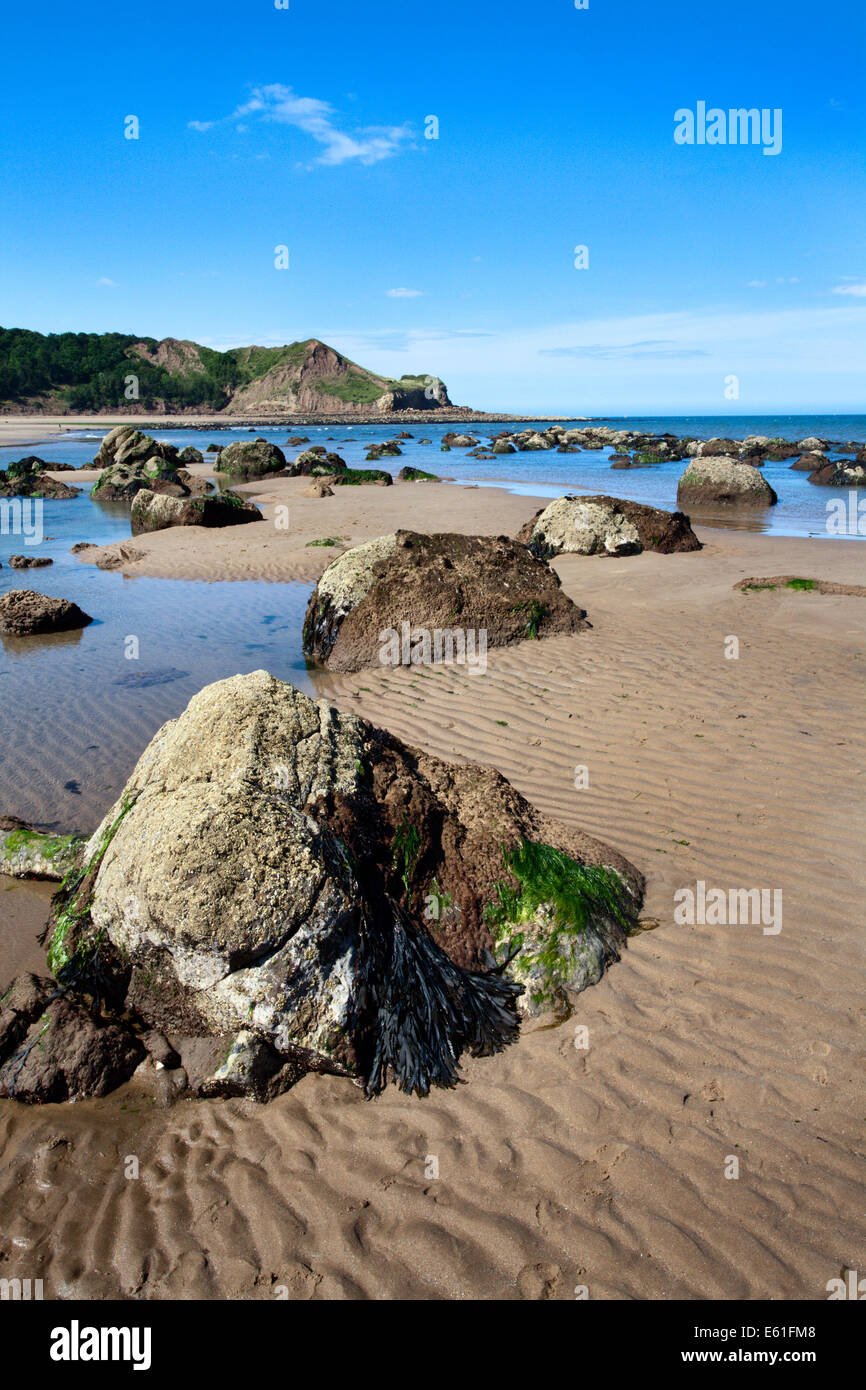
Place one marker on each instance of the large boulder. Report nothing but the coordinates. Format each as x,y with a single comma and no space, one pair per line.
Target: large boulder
605,526
130,446
296,882
191,455
151,511
722,481
488,589
252,458
24,612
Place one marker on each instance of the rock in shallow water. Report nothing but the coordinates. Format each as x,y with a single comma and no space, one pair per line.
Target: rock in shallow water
297,880
24,612
723,481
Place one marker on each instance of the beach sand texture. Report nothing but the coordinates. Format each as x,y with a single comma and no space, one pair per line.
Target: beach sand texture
560,1167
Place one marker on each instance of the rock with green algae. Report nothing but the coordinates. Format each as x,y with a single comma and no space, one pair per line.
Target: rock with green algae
26,852
269,875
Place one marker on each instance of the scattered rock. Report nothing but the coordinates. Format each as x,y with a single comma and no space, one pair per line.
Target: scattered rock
718,481
317,487
29,562
191,455
841,473
154,512
67,1054
605,526
416,475
359,477
23,612
317,463
252,458
26,852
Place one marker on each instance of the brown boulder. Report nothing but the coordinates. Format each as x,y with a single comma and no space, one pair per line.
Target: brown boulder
29,562
23,612
486,588
65,1053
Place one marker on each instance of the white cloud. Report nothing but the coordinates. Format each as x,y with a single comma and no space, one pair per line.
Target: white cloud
858,288
757,284
403,294
104,280
281,105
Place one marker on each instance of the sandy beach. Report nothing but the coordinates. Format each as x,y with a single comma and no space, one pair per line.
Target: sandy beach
560,1166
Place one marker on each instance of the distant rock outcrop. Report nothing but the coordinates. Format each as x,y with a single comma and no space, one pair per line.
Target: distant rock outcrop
490,588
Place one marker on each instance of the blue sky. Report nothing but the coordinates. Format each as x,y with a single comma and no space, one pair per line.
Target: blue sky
305,127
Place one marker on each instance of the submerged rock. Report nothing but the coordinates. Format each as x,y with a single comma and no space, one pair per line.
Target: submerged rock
29,562
308,886
152,512
487,587
723,481
24,612
605,526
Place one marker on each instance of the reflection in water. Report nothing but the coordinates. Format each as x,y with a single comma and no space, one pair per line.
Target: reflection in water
40,642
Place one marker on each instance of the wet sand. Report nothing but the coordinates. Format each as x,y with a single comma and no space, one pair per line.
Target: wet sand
559,1165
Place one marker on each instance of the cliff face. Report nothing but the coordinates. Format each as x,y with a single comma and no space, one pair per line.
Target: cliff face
92,372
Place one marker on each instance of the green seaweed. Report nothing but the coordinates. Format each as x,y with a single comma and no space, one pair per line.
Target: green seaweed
405,851
802,584
72,923
559,895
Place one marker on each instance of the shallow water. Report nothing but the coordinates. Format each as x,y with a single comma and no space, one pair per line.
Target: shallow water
78,708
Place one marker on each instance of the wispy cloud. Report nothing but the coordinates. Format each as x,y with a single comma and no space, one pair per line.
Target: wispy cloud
403,294
281,105
606,352
855,287
104,280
